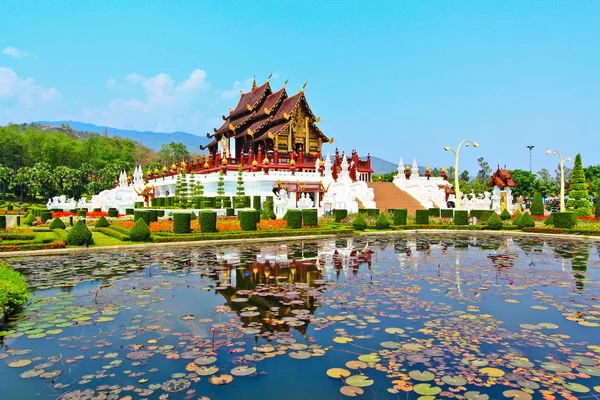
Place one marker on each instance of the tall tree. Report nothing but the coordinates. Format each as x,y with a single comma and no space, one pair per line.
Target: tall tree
485,172
6,176
173,152
526,182
579,198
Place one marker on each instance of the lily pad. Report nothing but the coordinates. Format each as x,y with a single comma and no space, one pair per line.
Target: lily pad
338,373
243,370
351,391
359,381
425,389
423,376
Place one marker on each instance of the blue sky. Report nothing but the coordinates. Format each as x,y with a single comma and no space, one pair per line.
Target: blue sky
393,78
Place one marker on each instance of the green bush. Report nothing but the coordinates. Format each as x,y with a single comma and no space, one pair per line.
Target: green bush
564,220
267,206
578,194
434,212
181,223
102,222
461,217
79,235
400,216
57,224
241,202
482,215
339,215
206,205
526,221
139,204
207,221
310,217
248,220
537,205
10,207
229,212
154,202
382,222
294,218
81,213
371,212
518,216
113,213
129,211
505,215
549,220
447,213
2,221
272,215
46,215
359,223
29,219
143,214
153,216
13,290
139,232
494,222
597,214
256,203
422,217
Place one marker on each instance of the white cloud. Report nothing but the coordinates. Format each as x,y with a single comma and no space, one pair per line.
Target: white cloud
235,90
50,94
111,83
134,79
14,52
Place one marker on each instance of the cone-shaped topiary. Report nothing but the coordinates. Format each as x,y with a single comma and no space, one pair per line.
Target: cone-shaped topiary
549,220
494,222
79,235
359,223
57,224
526,221
579,198
537,205
518,216
139,232
30,219
240,182
505,215
382,222
102,222
221,184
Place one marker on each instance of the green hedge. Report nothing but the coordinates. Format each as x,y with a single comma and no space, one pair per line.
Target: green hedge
57,224
153,216
400,216
241,202
248,219
81,213
461,217
294,218
79,235
526,221
129,211
144,214
434,212
597,213
537,205
494,222
206,205
139,232
229,212
139,204
371,212
359,223
2,221
339,215
447,213
114,233
10,207
113,213
505,215
45,216
422,217
207,221
310,217
13,290
549,220
267,206
382,222
102,222
564,220
482,215
256,203
182,223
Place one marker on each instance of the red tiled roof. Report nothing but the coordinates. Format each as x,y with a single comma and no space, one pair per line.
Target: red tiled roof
502,178
251,99
288,106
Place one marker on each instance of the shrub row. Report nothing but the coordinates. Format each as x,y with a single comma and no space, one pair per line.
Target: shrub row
370,212
114,233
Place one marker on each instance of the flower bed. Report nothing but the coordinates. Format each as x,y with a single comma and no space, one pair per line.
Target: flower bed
32,246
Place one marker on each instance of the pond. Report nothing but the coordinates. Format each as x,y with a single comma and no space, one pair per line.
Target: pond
409,317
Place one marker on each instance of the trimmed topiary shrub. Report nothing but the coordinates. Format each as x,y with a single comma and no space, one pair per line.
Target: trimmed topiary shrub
129,211
564,220
382,222
579,198
57,224
45,216
81,213
79,235
256,203
10,207
339,215
518,216
182,223
13,290
537,205
113,213
482,215
597,214
359,223
102,223
461,217
400,216
549,220
248,220
434,212
29,219
143,214
371,212
526,221
310,217
422,217
447,213
505,215
139,232
207,221
138,204
294,219
229,212
3,222
494,222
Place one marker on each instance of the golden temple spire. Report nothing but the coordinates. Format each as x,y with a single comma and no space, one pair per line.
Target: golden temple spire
254,82
285,83
304,86
269,78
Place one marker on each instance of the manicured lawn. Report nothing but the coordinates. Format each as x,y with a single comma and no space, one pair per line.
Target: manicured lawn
101,239
46,235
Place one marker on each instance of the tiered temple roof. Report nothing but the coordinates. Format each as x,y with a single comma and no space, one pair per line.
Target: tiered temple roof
502,178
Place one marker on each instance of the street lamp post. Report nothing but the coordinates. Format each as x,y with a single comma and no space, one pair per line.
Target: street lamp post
562,177
530,148
456,181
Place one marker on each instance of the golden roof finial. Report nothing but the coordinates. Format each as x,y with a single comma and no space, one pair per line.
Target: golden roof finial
241,92
285,83
254,82
304,86
230,110
269,78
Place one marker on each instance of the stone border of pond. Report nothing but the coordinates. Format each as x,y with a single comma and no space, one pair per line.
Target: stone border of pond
217,242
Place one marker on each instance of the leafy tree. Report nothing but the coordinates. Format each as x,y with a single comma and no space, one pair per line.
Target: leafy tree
173,152
436,172
6,176
526,182
579,198
567,174
450,172
545,185
464,176
485,172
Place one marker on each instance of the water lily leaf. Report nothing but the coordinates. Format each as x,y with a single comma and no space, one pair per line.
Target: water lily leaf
592,371
205,371
355,364
547,325
581,360
359,381
369,358
423,376
576,387
394,331
205,360
521,363
32,373
20,363
342,339
472,395
492,372
188,317
219,380
550,366
517,395
243,370
390,345
454,380
338,373
426,389
300,355
412,347
175,385
351,391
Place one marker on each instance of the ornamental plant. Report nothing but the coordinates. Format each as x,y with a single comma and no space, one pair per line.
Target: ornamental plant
537,205
505,215
13,290
579,198
102,222
240,182
382,222
221,184
79,235
526,221
57,223
196,191
360,223
494,222
139,232
518,216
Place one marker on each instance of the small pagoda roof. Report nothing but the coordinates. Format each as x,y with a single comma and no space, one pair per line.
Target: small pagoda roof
502,178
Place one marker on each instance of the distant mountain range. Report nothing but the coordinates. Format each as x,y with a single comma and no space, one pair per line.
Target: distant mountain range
152,140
